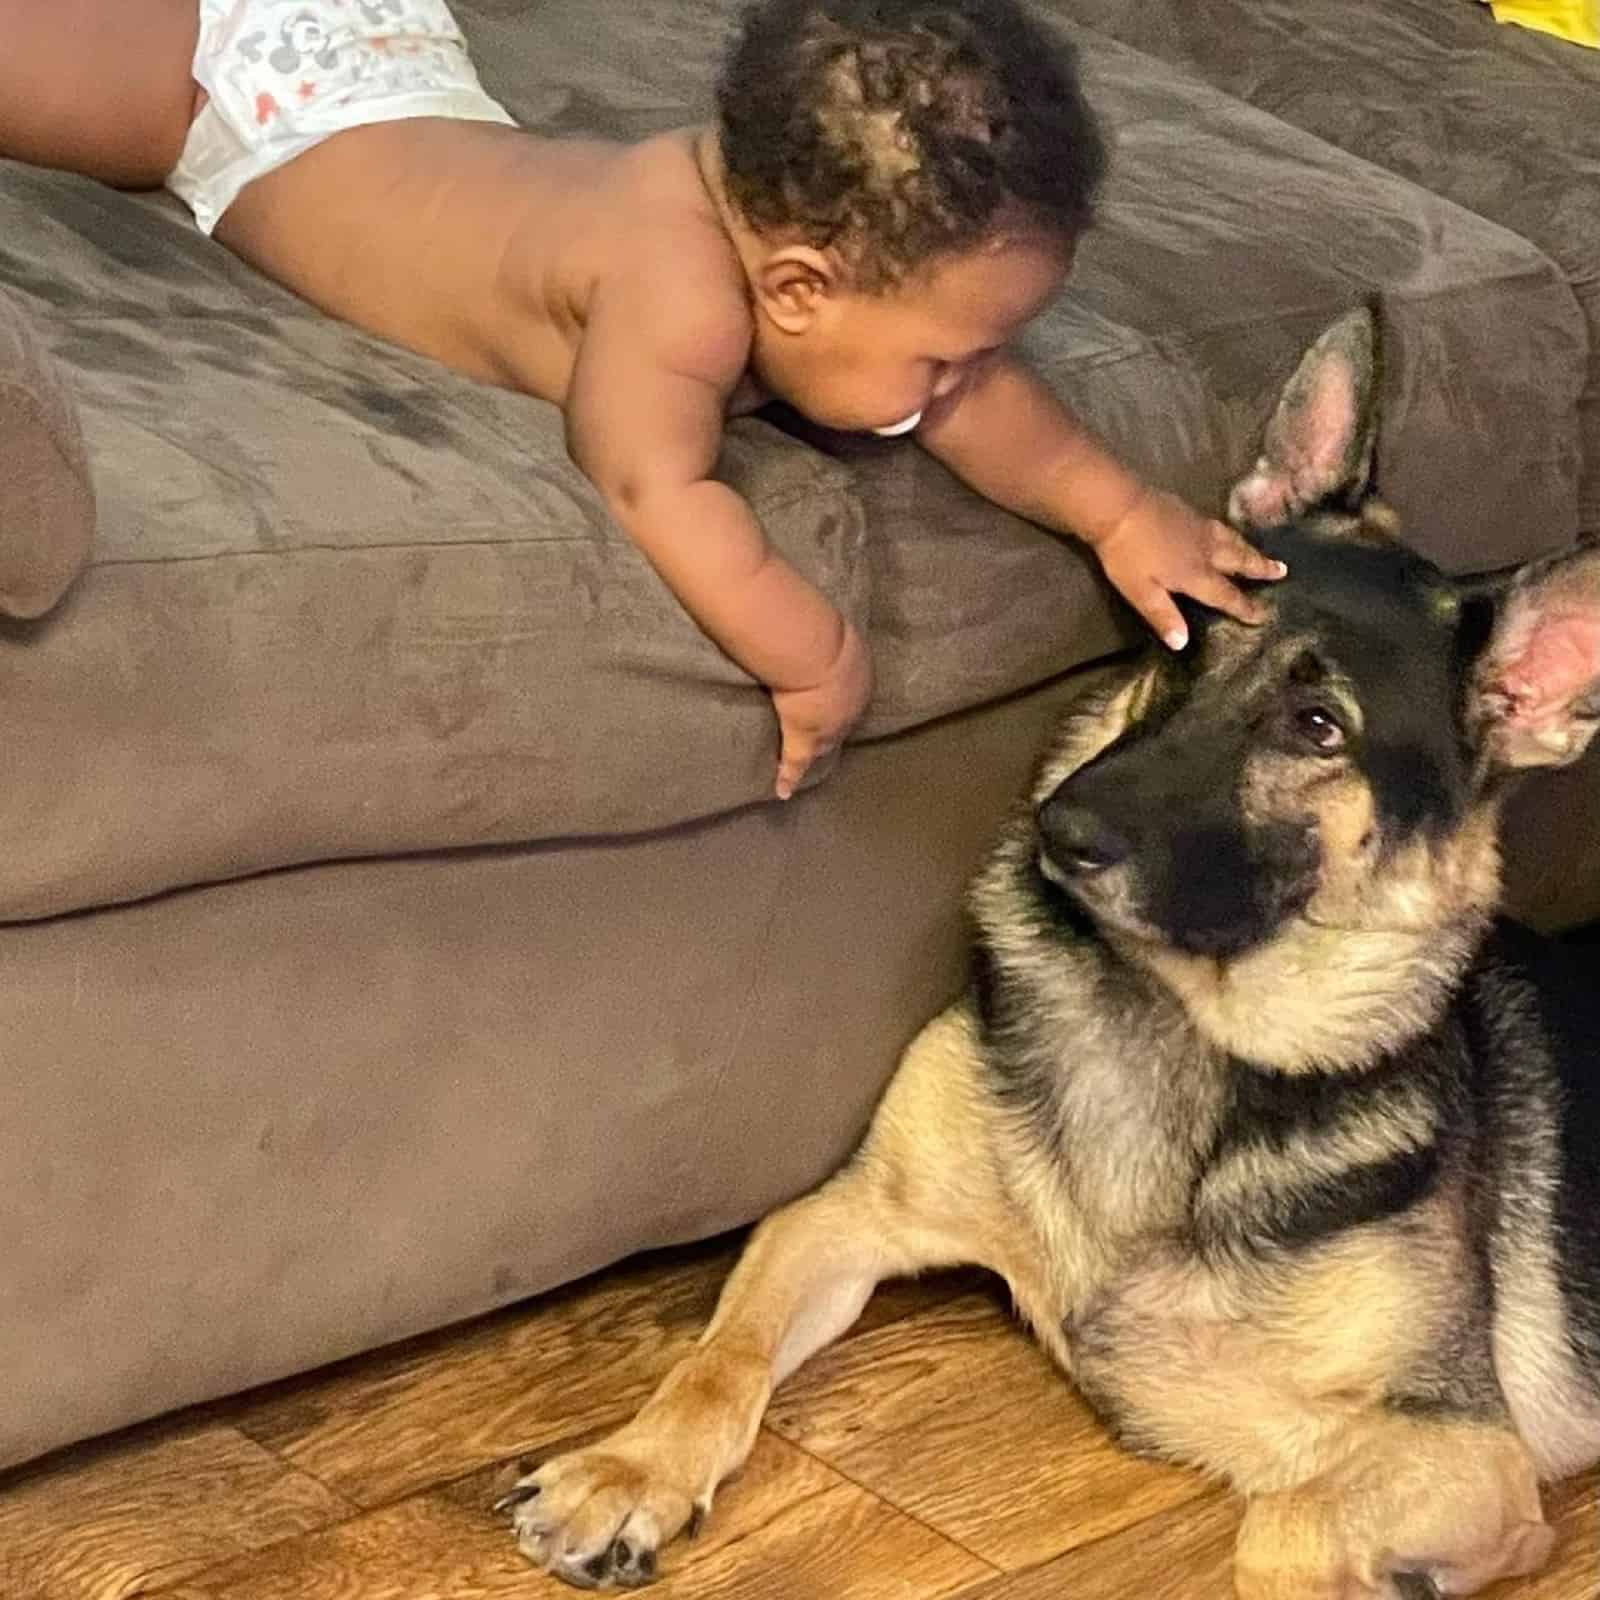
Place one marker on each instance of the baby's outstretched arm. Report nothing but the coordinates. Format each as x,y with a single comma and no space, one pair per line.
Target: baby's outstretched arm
644,421
1003,432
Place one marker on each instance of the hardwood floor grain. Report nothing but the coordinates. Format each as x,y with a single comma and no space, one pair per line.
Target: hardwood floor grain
1185,1553
956,1417
376,1431
128,1518
379,1429
933,1454
795,1531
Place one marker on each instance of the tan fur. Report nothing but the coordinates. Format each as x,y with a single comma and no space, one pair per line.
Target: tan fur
1370,963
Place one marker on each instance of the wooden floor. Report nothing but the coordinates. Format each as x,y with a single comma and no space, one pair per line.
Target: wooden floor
933,1452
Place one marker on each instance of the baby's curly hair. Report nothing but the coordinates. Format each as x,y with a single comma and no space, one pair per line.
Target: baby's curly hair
895,131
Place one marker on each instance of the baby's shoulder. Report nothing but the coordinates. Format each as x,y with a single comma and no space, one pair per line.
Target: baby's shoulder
669,264
660,202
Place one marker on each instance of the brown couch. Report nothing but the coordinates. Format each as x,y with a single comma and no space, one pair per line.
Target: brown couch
393,923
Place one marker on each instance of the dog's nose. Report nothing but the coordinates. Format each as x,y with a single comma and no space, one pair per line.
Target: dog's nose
1078,840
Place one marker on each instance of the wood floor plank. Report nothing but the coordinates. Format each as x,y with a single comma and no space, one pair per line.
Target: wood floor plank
578,1359
106,1522
1182,1554
933,1454
796,1531
957,1418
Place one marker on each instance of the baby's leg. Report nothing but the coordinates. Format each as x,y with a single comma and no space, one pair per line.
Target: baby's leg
101,87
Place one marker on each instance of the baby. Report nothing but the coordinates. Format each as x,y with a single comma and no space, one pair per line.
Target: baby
892,189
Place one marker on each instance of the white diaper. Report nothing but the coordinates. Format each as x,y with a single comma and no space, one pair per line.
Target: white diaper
282,75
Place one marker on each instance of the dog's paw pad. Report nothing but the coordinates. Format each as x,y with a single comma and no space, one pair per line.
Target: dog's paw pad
633,1566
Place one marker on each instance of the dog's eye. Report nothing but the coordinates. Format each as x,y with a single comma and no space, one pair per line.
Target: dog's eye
1320,729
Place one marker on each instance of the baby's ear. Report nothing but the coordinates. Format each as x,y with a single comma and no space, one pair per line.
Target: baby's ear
1536,687
791,283
1318,446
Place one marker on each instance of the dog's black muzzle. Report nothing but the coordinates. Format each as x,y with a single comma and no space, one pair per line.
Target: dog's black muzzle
1152,845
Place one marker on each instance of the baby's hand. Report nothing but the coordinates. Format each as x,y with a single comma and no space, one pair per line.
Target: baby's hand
814,721
1162,547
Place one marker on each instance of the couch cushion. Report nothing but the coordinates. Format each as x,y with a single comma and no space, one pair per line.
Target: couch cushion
1498,119
344,602
46,496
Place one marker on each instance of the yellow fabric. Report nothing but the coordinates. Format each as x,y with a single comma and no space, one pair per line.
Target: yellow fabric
1577,20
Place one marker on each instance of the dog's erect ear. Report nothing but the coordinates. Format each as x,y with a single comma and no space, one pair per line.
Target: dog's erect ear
1319,444
1536,686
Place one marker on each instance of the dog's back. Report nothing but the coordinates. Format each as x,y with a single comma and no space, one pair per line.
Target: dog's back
1536,1023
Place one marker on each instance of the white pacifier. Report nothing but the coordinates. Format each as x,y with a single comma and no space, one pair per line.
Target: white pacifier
895,429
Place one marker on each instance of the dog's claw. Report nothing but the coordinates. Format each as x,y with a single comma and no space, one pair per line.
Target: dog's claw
520,1495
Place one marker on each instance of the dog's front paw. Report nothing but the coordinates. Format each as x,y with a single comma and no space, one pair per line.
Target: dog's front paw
599,1517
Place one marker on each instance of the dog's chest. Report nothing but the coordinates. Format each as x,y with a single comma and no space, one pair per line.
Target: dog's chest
1126,1121
1103,1160
1134,1103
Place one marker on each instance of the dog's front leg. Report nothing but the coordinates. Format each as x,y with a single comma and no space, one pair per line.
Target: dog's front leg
597,1517
921,1192
1455,1503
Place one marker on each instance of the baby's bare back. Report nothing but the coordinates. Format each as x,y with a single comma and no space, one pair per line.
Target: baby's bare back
478,244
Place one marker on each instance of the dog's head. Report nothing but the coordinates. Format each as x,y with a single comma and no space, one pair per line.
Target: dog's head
1340,764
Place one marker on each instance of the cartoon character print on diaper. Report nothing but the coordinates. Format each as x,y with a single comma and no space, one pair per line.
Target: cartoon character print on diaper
299,39
328,53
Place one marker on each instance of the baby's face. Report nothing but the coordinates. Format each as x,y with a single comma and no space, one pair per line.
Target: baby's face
870,361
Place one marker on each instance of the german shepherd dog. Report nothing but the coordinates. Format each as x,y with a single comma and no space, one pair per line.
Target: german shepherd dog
1287,1149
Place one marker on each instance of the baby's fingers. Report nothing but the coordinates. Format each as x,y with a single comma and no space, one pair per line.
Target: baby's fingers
1160,610
1216,591
1234,554
793,760
801,750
